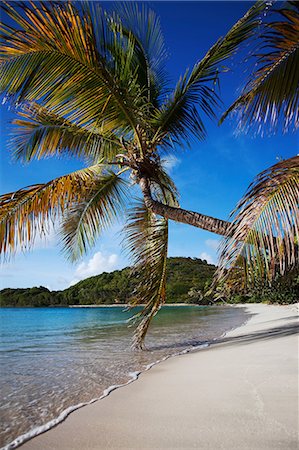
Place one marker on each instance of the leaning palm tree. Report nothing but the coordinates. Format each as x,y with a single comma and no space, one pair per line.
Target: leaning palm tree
91,84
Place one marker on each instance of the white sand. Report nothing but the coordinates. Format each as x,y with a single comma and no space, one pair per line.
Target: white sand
238,394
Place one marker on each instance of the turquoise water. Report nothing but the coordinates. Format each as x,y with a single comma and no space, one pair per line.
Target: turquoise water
52,358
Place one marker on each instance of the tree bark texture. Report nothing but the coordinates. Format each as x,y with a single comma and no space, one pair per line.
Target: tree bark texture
195,219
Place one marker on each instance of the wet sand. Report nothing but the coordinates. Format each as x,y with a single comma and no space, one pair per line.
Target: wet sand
240,393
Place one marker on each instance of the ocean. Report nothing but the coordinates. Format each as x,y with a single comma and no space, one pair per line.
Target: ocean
53,359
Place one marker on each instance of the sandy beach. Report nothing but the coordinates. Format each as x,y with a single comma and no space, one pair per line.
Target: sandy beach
240,393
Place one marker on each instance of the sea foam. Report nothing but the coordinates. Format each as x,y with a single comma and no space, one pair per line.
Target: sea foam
64,414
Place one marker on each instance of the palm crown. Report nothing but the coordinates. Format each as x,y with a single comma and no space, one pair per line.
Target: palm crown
90,83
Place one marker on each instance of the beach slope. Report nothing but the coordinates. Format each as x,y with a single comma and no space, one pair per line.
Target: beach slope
240,393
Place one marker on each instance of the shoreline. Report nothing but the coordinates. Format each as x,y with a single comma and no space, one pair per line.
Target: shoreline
127,305
20,440
110,305
61,433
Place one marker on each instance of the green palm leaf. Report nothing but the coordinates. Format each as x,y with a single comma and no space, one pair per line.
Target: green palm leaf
39,133
264,234
26,213
178,118
143,26
55,60
271,98
147,241
96,211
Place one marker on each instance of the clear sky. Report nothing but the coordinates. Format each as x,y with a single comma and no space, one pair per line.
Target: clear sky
211,176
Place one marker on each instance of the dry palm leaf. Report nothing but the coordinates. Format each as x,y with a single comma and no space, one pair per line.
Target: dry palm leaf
264,234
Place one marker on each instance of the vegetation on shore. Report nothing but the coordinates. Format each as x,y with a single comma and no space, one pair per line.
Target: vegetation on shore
188,281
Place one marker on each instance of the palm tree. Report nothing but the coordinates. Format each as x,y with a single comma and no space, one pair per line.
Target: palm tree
90,83
262,242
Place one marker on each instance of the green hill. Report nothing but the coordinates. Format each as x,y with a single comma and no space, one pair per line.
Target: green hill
186,279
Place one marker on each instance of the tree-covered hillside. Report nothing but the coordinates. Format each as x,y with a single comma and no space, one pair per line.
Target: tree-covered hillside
186,280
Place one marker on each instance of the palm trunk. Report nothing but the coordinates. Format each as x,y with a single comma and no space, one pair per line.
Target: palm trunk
195,219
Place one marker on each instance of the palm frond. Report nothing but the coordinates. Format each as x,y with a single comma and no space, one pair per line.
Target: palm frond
147,241
96,211
264,234
39,133
24,214
163,188
141,24
271,98
179,118
55,59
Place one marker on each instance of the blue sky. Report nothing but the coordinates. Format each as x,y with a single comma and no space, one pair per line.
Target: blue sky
211,176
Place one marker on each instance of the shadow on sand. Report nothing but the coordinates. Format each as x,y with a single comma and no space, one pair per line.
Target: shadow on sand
243,339
271,333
